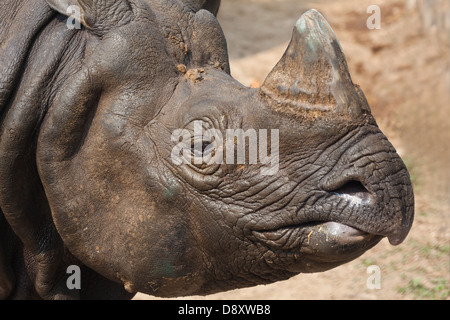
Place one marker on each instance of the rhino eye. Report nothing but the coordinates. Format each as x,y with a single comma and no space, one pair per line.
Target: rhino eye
205,150
204,147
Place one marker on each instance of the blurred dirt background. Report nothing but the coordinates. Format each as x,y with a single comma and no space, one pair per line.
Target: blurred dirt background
404,70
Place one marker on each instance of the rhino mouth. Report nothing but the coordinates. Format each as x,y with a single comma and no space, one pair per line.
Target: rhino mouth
334,241
326,241
331,242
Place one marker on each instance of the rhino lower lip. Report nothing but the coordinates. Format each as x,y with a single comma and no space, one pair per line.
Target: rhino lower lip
338,240
331,241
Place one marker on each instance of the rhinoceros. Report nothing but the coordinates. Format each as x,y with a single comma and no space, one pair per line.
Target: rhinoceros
88,179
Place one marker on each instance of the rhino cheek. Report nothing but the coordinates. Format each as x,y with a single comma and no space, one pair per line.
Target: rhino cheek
149,250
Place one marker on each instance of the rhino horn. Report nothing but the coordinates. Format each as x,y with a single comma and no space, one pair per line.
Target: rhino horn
313,72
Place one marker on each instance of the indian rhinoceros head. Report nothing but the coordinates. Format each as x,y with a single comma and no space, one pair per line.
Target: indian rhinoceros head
106,162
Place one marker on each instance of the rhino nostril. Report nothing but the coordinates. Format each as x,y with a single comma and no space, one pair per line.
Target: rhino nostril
353,190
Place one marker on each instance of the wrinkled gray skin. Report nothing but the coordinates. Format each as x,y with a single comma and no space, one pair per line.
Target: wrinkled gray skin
86,176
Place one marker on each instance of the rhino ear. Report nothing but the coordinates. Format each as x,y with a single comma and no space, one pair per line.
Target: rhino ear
313,73
66,7
95,15
62,6
210,5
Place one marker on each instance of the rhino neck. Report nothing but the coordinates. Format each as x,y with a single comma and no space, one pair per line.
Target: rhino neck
37,55
30,56
22,21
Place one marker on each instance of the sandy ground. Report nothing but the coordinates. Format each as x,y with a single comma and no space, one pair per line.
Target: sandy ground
404,70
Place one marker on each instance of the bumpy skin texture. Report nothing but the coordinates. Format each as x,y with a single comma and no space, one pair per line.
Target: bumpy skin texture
86,175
